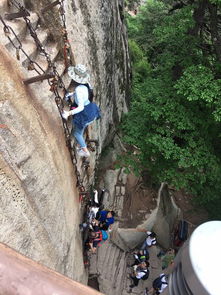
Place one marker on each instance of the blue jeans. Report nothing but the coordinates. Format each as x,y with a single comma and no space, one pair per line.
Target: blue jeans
78,133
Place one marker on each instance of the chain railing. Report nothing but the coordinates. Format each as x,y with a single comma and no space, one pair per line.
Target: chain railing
16,43
56,82
67,51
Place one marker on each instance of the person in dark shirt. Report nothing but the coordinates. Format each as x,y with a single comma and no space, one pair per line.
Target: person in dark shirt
140,256
95,237
106,218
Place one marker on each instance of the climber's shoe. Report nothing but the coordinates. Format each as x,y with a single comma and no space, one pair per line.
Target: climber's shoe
82,153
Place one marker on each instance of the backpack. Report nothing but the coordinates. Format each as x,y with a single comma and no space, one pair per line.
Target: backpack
181,233
157,283
143,257
104,235
146,276
99,236
183,230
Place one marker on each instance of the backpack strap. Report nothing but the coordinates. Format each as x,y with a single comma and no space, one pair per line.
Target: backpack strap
99,238
144,271
165,283
153,241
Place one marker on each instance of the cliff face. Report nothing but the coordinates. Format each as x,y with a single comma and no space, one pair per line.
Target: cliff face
102,40
39,201
98,39
40,209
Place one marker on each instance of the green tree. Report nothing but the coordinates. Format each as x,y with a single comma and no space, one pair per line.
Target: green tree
174,121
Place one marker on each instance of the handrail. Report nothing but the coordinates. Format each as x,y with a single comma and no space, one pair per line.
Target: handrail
22,276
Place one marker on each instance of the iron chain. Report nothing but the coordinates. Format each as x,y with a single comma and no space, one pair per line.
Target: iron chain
56,82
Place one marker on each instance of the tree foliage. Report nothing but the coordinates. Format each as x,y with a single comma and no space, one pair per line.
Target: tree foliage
174,121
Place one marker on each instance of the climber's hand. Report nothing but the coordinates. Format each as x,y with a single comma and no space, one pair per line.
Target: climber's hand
68,95
65,115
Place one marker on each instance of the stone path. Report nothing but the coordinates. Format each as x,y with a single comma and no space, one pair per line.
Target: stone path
111,266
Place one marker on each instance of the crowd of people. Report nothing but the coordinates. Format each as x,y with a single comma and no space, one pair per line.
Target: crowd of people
140,266
99,224
99,228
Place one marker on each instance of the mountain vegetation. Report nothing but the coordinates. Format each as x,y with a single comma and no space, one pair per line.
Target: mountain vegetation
173,127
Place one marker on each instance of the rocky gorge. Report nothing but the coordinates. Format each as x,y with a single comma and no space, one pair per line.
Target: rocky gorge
40,208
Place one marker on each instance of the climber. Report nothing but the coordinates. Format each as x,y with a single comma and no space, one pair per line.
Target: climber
93,207
106,218
150,240
140,272
94,239
84,111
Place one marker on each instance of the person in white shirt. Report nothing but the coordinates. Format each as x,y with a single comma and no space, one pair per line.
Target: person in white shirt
139,273
150,240
159,285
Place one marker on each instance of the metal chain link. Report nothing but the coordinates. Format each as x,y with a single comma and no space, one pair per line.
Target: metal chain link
62,13
67,52
56,82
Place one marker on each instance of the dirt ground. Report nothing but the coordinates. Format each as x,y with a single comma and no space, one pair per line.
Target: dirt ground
140,201
193,215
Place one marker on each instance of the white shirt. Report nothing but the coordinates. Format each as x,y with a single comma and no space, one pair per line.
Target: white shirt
150,241
92,213
81,98
140,274
163,286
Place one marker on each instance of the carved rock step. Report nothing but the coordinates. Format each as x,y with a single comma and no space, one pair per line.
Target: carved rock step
111,269
63,73
120,274
45,97
104,256
19,27
113,263
4,7
30,47
13,8
51,49
113,280
110,265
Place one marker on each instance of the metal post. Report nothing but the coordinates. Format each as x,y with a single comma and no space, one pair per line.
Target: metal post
11,16
38,78
49,6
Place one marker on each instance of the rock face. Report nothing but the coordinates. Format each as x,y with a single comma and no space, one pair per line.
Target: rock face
98,39
39,205
39,199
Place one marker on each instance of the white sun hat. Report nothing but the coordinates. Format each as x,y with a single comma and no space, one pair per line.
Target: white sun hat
79,74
